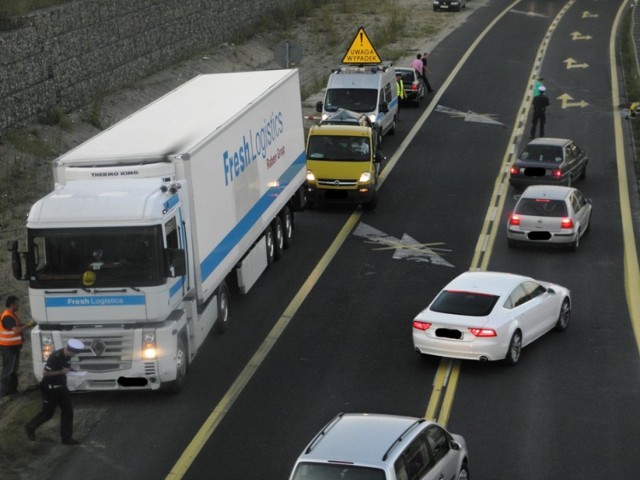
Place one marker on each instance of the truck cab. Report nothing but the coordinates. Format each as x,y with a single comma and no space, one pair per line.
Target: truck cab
343,163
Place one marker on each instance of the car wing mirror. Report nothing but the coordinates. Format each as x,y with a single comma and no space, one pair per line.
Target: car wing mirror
455,445
384,107
551,291
319,107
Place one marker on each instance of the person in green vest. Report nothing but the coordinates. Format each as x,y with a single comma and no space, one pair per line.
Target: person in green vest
400,88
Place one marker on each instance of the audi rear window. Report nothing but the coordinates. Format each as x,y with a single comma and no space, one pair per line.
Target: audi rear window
470,304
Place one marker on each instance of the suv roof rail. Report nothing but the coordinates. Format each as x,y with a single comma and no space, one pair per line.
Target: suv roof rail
363,68
323,432
401,436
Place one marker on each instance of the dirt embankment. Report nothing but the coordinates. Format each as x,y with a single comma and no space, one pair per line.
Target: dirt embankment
26,171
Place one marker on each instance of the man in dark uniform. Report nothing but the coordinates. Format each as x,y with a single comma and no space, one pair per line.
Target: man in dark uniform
55,393
540,105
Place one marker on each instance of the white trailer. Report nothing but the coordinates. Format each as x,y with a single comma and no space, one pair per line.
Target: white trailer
153,220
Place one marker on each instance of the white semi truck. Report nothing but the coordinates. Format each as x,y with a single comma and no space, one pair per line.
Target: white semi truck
152,221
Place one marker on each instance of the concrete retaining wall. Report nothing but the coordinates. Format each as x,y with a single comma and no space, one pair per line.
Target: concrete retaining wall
63,57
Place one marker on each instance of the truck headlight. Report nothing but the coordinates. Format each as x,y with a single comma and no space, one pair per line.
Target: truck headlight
149,351
310,176
365,177
372,117
46,345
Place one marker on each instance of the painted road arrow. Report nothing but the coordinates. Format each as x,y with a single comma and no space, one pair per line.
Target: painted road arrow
405,249
567,103
587,14
571,63
579,36
469,116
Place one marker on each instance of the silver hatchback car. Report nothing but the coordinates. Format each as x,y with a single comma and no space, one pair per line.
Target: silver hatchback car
359,446
548,214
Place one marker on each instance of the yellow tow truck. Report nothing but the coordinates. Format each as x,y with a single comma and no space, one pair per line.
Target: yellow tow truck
343,163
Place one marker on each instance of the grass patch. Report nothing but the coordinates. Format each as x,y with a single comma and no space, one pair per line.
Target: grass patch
29,142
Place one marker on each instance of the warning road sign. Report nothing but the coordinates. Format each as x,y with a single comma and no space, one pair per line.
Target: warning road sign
361,50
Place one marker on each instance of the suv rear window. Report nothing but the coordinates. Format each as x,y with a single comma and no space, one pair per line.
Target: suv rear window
464,303
327,471
541,207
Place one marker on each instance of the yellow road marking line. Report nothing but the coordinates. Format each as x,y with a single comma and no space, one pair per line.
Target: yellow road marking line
631,268
218,413
486,239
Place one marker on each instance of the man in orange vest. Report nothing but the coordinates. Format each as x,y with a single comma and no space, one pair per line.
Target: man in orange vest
11,333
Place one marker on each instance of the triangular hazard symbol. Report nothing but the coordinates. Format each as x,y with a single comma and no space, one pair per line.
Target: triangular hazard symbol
361,50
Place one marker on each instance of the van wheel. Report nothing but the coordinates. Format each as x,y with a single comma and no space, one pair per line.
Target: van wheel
583,175
372,204
222,322
287,226
269,240
392,130
278,238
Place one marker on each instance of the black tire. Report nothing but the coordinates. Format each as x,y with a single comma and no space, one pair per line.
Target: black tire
583,174
573,246
270,244
372,204
278,238
392,130
287,226
222,322
182,361
515,348
564,316
464,472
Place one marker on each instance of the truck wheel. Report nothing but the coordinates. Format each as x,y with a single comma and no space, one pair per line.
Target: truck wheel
278,237
268,236
222,322
181,369
287,225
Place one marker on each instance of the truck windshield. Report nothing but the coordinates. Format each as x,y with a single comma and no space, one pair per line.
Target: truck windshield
95,257
361,100
339,148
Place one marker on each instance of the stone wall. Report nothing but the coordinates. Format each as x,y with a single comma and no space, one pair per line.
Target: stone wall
64,57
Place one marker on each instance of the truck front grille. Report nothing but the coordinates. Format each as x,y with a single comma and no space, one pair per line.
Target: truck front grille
104,353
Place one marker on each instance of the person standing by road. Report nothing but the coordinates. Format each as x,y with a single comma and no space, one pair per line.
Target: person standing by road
426,71
537,85
400,89
11,340
540,106
55,393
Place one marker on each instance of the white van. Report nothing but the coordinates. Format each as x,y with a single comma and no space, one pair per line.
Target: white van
369,89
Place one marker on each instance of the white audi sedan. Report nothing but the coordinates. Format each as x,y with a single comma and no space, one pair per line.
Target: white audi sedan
490,316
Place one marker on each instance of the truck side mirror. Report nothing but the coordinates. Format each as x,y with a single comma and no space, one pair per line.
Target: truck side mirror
16,261
319,107
384,107
175,262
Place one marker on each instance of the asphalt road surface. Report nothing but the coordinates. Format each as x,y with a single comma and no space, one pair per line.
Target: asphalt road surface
567,410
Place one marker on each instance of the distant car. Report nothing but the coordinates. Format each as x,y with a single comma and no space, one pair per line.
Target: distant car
490,316
348,117
414,88
360,446
549,214
455,5
549,161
